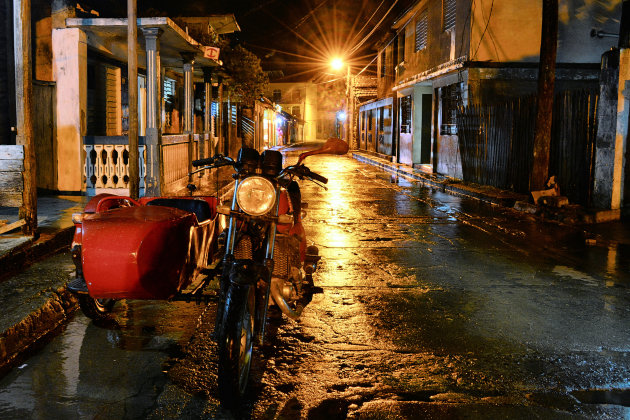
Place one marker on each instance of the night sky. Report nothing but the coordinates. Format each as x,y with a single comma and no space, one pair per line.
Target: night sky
299,38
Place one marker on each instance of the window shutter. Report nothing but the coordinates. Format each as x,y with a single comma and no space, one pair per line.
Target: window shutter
448,13
422,29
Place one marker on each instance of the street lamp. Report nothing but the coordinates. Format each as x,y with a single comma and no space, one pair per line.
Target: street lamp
337,64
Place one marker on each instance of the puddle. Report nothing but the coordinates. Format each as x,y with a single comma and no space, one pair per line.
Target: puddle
603,396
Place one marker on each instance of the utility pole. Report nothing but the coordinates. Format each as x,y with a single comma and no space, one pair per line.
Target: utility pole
546,79
24,110
132,83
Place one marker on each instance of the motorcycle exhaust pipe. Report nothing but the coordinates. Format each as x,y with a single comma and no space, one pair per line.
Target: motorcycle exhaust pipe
276,291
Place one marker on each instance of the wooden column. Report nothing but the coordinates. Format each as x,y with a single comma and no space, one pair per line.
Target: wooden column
546,79
132,83
24,110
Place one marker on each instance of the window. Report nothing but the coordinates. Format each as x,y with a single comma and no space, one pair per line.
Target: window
448,14
169,88
296,96
277,95
383,64
296,111
422,30
451,98
401,47
405,115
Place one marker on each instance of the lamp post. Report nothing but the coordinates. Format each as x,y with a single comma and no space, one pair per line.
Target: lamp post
337,64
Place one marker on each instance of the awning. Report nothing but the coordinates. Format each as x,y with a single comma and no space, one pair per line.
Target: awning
109,36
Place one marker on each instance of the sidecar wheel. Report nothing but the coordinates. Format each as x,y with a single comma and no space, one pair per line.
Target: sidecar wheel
96,309
236,343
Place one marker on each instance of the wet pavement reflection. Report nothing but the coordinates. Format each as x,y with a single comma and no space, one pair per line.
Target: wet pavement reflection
111,371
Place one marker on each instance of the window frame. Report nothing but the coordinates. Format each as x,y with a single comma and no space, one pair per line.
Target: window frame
422,37
449,15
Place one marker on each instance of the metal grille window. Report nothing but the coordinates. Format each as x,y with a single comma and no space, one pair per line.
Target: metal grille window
381,119
448,14
451,99
405,115
422,30
169,88
277,95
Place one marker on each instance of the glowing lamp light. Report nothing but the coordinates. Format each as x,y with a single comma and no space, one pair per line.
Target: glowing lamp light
341,115
279,120
336,63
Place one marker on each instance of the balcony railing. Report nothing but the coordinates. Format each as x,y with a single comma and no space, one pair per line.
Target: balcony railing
106,167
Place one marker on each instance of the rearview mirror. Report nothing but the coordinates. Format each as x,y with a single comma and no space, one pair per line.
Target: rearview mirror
333,146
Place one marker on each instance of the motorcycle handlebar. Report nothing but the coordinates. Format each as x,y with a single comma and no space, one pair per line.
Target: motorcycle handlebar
303,172
203,162
318,177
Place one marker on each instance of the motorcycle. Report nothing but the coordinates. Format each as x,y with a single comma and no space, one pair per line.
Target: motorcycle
265,255
173,247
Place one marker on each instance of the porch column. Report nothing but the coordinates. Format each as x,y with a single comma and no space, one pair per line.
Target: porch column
207,115
70,73
152,136
189,61
219,121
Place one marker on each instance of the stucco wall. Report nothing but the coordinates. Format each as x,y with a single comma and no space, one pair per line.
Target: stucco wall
510,31
439,42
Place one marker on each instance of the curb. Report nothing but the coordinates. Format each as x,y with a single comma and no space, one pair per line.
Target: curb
35,249
483,193
31,330
572,214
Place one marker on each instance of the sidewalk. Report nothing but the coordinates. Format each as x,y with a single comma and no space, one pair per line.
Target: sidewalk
598,227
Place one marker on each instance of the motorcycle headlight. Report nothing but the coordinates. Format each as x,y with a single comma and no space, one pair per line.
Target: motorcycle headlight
256,195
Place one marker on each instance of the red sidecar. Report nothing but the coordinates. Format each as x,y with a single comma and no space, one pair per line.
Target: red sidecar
146,249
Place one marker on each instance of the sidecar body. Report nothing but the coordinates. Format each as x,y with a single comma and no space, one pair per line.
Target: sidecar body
147,249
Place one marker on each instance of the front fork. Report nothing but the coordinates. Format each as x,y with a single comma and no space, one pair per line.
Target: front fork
259,275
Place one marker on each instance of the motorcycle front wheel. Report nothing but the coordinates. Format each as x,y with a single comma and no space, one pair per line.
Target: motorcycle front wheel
95,309
236,343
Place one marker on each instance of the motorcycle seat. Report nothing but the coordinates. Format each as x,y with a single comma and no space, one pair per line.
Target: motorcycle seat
200,208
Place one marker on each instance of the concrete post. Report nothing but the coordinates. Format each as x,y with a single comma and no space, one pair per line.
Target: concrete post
152,137
621,195
610,180
606,131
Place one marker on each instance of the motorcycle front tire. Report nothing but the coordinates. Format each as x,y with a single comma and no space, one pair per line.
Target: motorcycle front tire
95,309
236,343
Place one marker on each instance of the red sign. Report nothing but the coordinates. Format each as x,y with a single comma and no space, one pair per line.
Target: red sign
212,53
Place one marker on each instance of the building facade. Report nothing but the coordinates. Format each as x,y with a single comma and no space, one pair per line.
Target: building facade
443,55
